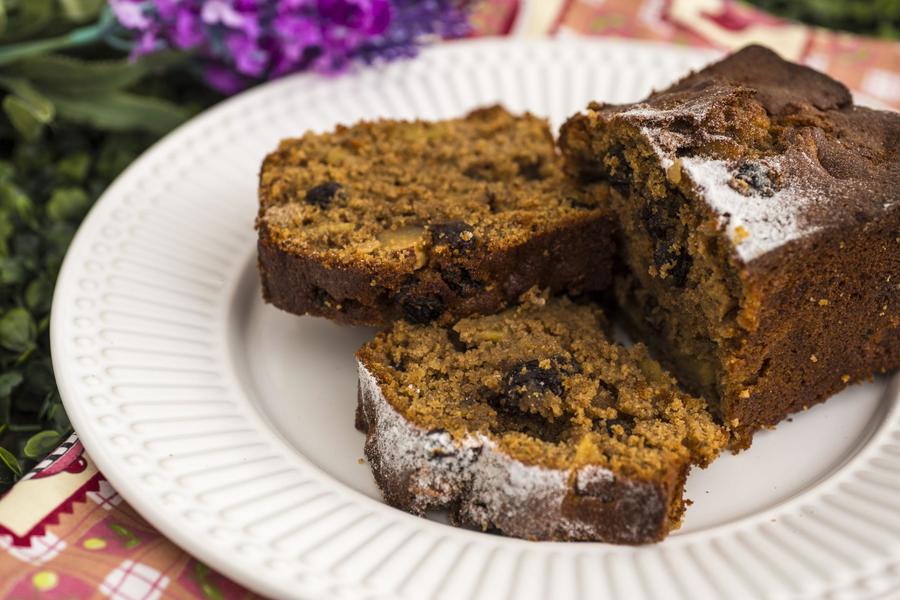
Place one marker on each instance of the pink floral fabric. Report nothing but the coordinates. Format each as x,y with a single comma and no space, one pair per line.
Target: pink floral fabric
66,533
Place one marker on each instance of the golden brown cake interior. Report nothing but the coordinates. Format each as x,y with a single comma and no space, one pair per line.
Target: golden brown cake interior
550,389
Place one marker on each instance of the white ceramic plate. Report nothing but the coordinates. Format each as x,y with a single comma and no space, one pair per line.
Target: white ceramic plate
229,424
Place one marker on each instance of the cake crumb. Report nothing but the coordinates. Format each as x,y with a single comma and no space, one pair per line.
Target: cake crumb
823,302
360,461
812,357
735,423
745,393
740,234
673,173
845,378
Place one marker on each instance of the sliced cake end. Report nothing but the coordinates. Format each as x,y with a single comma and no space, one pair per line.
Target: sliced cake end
531,422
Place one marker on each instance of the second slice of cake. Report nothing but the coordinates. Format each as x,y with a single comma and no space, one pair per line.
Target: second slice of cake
531,422
425,221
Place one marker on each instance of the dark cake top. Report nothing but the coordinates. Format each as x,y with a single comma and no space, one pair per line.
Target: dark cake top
777,149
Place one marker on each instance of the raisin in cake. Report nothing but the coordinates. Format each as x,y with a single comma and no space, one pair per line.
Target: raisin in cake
761,230
427,221
533,423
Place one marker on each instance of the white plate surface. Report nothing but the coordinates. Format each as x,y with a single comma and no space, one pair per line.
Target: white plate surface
229,424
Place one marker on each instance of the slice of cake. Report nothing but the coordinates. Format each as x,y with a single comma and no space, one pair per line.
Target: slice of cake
425,221
760,217
533,423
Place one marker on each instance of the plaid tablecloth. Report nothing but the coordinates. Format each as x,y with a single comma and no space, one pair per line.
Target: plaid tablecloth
66,533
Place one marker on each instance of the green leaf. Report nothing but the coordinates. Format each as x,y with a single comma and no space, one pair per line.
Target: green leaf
27,246
9,381
31,18
121,111
17,330
3,18
39,377
22,117
12,270
27,109
6,229
41,443
57,416
67,203
39,295
14,199
72,76
11,462
6,168
74,167
81,10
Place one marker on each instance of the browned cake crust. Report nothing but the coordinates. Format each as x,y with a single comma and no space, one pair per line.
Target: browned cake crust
425,221
761,231
531,423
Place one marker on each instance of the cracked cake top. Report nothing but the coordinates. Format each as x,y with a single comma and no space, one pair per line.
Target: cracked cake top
777,150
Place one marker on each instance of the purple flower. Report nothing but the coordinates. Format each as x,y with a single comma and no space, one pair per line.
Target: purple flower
241,41
187,30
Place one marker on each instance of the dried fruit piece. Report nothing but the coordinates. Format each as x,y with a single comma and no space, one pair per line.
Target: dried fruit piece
322,194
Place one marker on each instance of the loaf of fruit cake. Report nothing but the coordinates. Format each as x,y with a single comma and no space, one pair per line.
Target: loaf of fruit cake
427,221
531,422
760,227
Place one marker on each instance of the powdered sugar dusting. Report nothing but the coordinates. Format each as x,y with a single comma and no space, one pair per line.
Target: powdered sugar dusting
485,485
755,224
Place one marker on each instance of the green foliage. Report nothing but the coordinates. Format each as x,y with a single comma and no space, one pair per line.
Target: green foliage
870,17
46,187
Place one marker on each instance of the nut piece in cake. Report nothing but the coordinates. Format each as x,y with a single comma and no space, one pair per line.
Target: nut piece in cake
759,213
425,221
533,423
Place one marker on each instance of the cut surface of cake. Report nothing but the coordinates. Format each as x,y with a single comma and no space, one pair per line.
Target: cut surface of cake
427,221
760,227
531,422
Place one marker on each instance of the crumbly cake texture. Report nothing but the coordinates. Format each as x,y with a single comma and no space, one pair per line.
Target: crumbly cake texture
427,221
760,227
533,423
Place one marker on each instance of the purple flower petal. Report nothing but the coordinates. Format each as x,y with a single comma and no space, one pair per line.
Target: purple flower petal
223,79
148,42
221,12
187,32
249,58
130,14
368,17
